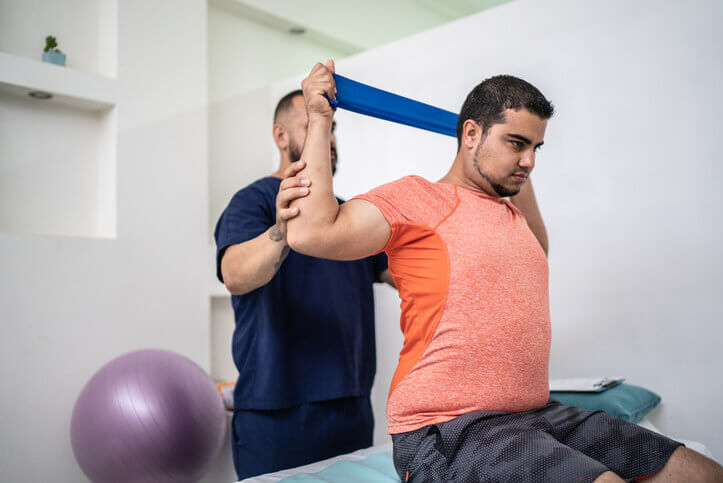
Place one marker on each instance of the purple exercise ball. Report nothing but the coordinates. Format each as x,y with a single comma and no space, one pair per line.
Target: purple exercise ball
149,415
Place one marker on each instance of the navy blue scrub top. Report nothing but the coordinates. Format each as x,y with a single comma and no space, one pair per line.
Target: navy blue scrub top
308,334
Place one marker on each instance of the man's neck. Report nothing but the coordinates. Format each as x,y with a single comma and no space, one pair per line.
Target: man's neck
456,177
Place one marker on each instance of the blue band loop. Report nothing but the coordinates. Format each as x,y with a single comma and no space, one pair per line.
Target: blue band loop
370,101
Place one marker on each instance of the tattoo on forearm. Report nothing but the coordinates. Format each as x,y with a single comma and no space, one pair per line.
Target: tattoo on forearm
275,233
284,253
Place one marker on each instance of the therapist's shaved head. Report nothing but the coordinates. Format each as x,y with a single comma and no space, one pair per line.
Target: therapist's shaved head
285,104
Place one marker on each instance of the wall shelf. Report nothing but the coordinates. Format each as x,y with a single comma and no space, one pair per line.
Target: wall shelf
81,90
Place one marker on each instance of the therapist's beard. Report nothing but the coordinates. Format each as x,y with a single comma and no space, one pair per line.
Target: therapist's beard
294,152
295,155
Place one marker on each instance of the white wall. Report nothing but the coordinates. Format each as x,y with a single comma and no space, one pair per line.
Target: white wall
41,190
81,28
627,181
69,305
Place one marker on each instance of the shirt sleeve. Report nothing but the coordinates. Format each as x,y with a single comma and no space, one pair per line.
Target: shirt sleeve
250,213
406,203
391,203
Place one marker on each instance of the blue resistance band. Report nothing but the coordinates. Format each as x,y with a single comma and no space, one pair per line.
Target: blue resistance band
370,101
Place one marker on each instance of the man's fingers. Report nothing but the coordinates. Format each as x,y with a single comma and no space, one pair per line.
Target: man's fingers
296,181
288,195
294,168
319,84
322,86
329,66
320,79
285,214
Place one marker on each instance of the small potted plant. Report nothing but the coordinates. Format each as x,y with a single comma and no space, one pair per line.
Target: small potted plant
51,53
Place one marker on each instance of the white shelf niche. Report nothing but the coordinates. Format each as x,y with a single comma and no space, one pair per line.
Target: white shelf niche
80,90
57,155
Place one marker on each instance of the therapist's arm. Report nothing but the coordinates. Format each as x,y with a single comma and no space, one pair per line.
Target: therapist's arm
527,204
387,278
252,264
323,229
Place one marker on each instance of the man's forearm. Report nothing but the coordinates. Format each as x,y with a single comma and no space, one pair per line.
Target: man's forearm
525,201
252,264
320,208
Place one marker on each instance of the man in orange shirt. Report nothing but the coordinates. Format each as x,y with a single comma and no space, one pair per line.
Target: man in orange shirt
470,399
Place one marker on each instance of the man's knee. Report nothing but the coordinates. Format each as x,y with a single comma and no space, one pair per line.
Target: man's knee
688,465
608,477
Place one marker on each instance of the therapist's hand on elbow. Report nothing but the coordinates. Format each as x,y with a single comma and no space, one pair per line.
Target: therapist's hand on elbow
316,86
292,187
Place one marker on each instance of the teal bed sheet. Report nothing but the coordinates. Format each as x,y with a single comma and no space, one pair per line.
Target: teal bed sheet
378,467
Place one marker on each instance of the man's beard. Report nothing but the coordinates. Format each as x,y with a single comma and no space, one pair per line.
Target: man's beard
295,155
294,152
333,160
499,189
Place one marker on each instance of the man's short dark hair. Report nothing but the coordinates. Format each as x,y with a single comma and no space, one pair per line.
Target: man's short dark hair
285,103
487,102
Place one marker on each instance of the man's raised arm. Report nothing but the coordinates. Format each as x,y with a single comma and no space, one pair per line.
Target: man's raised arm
527,204
323,229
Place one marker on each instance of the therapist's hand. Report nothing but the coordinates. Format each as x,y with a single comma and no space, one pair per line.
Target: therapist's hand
292,187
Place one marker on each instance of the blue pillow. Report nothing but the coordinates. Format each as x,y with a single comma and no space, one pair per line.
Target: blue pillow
625,401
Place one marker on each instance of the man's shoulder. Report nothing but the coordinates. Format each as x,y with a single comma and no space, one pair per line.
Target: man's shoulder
411,188
412,199
410,180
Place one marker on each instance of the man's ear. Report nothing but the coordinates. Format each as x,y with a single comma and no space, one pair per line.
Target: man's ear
281,136
471,134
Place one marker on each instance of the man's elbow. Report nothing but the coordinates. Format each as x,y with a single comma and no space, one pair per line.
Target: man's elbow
237,283
301,241
234,286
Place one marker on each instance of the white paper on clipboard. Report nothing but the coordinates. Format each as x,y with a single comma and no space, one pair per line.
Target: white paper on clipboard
584,384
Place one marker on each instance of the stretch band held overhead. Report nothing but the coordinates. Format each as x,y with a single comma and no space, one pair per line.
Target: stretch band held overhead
370,101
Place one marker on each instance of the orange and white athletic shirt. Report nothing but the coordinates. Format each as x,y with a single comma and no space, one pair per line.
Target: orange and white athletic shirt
473,281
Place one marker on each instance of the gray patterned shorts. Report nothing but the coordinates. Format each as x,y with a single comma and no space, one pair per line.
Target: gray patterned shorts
554,443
